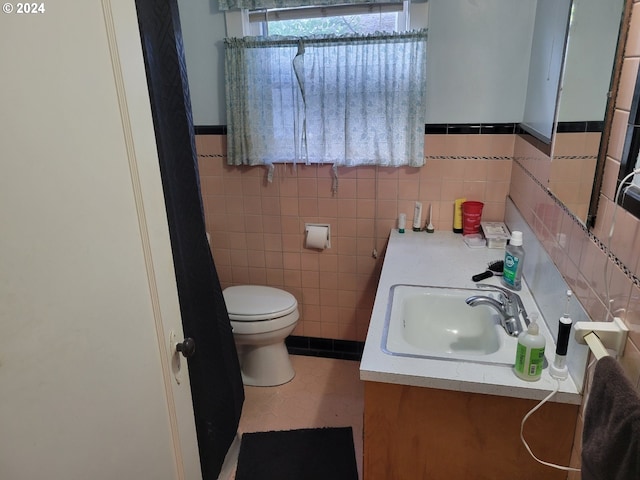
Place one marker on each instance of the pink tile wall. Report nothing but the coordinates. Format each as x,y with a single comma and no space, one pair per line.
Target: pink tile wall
625,242
574,163
578,255
257,228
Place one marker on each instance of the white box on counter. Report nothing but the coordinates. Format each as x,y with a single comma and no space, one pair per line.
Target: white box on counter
496,233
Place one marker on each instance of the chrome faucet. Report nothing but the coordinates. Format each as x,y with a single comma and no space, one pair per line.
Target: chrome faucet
511,295
509,305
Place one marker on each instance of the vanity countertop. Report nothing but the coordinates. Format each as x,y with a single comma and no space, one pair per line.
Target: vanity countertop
443,259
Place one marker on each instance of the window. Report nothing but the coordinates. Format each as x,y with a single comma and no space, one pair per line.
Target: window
336,20
346,99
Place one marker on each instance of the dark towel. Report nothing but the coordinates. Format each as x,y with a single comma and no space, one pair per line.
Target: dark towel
611,435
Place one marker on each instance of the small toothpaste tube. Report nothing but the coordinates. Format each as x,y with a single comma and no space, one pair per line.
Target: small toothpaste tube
417,217
457,215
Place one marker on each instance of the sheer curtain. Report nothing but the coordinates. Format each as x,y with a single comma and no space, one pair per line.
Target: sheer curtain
357,100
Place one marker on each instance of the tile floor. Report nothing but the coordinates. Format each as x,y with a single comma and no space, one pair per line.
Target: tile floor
325,392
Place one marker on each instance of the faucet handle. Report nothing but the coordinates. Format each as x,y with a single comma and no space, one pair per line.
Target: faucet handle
507,293
502,290
489,285
511,299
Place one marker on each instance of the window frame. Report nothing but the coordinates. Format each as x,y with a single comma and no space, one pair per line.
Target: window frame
238,25
258,19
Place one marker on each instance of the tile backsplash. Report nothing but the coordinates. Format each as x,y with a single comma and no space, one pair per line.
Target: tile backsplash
257,228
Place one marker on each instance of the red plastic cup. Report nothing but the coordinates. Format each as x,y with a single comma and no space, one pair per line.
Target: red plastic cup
471,215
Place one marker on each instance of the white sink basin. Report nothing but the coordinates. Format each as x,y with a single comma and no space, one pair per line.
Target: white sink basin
435,322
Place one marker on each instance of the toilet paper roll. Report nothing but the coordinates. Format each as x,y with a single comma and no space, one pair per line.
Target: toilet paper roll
317,237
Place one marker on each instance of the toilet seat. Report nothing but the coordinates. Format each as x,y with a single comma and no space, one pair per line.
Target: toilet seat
264,327
254,303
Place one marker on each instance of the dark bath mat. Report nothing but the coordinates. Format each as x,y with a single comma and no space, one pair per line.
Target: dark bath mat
306,454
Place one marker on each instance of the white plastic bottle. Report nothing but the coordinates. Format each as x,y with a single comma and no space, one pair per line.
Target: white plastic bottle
402,222
417,217
530,353
513,262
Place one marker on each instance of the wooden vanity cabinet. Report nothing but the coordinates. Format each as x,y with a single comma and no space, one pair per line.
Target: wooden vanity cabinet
415,433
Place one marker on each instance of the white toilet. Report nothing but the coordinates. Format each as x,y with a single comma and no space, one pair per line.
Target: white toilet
261,318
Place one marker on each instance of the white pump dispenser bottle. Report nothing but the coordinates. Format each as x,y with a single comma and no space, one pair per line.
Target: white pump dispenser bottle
530,352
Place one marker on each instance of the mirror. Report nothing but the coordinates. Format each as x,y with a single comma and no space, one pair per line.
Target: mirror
594,29
545,69
570,130
628,184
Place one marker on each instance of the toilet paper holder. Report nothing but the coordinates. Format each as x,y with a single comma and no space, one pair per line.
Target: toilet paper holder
324,226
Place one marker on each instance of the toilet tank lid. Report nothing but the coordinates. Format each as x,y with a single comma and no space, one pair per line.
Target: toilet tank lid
257,302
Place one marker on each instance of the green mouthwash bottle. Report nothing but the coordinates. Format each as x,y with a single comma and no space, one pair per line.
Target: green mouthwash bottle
513,262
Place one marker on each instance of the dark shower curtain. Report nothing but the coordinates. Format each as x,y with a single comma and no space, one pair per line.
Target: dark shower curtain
214,372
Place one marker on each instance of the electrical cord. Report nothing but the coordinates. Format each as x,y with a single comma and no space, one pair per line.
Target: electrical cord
531,412
557,387
611,230
608,298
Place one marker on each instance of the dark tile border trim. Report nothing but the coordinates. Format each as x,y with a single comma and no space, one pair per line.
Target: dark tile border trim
580,127
533,140
455,128
429,128
210,129
325,347
469,128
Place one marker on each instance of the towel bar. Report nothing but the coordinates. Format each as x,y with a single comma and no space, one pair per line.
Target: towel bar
602,335
596,346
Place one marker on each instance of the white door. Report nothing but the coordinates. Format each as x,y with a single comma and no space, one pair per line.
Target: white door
89,386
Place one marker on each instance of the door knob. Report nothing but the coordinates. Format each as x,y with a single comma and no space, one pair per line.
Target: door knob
187,347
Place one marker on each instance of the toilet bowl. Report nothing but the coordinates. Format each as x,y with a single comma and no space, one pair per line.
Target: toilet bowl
261,318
